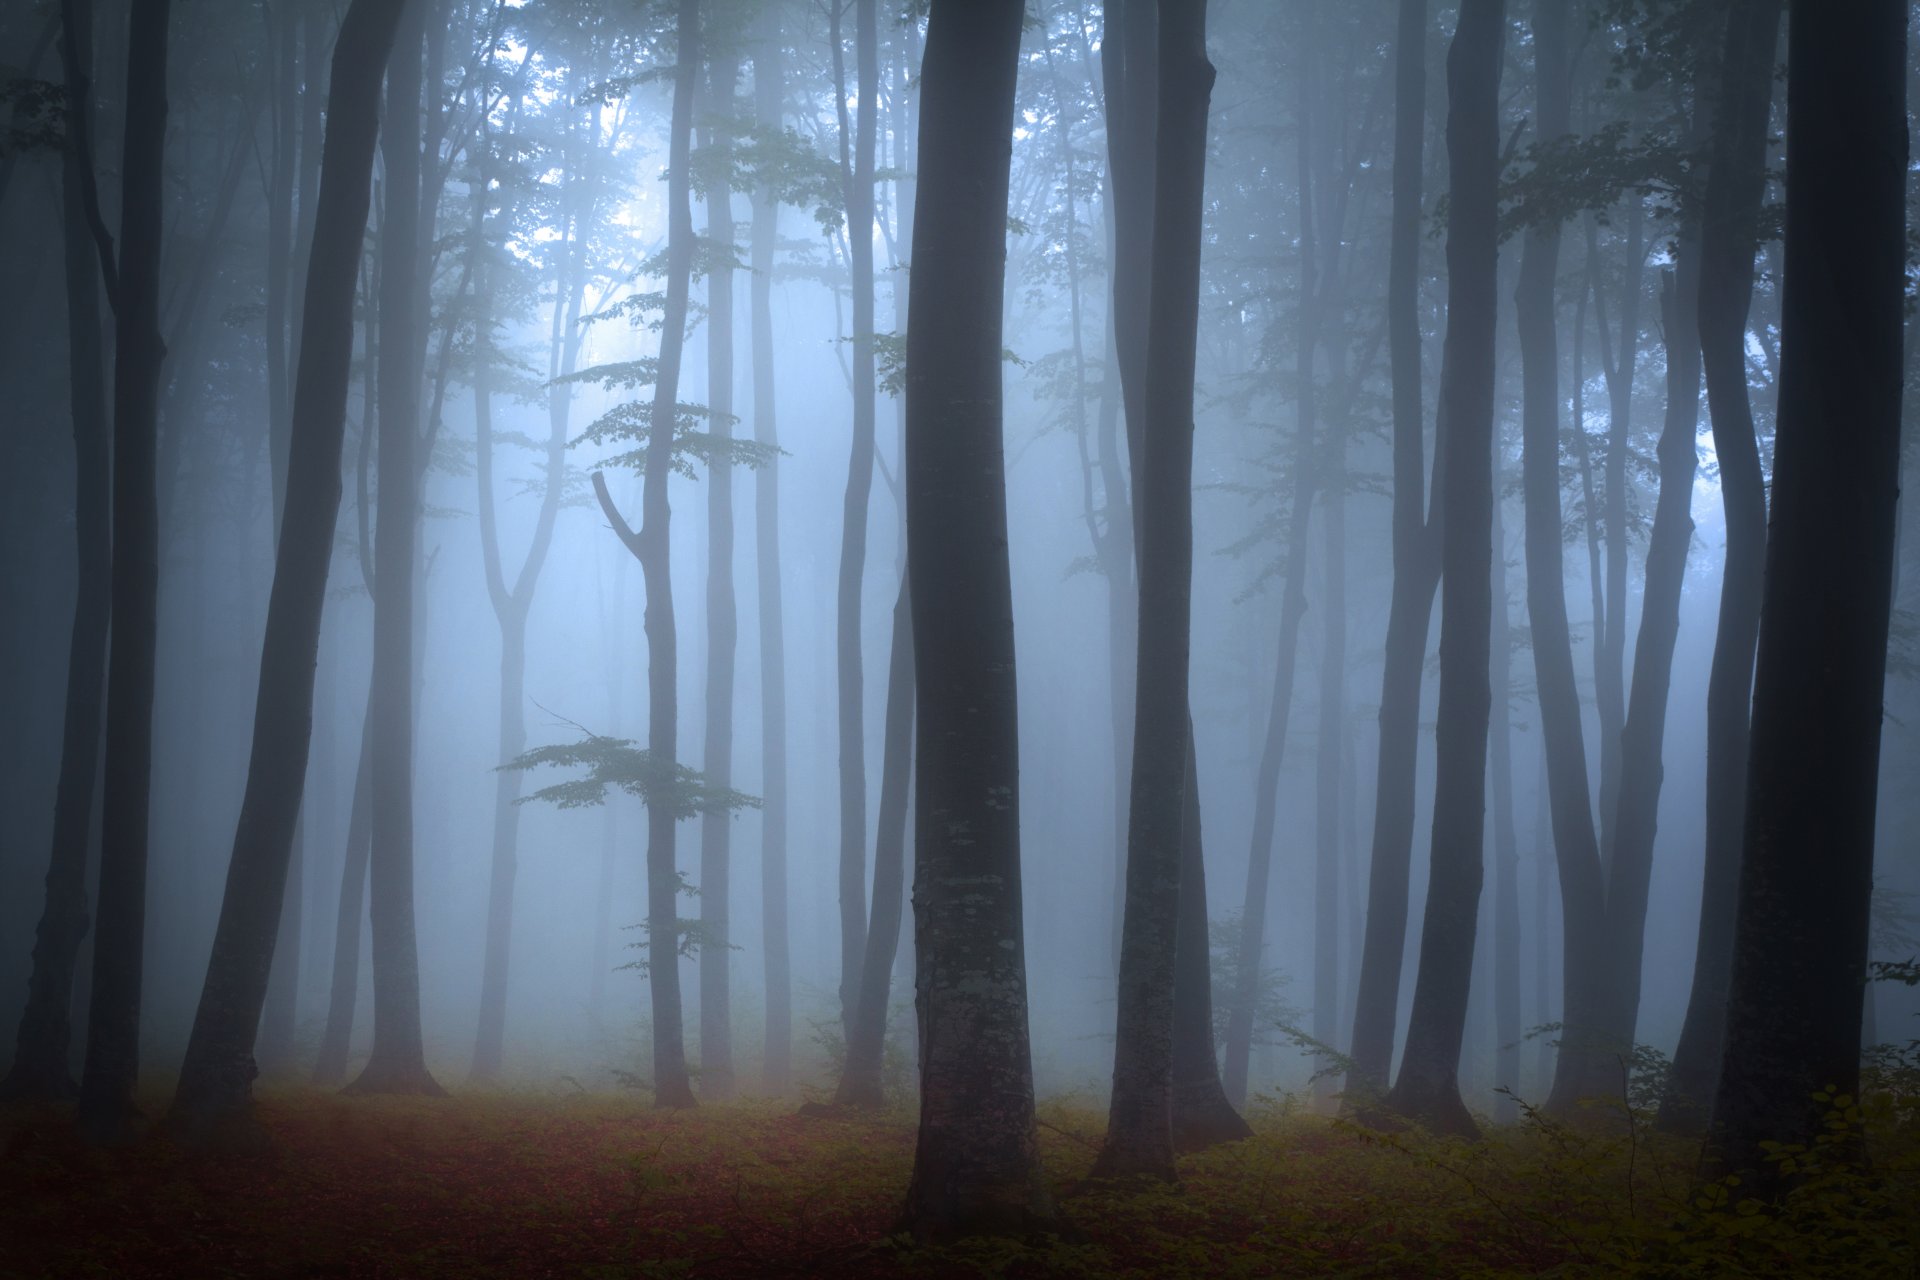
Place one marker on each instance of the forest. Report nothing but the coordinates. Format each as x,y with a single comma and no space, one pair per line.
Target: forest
1091,638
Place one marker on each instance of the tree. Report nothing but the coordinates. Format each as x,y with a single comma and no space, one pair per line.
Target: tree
1416,575
976,1165
213,1101
41,1061
1806,883
1736,181
1428,1087
651,546
398,1060
1139,1140
112,1064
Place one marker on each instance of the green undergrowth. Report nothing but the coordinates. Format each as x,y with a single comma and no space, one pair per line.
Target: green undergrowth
520,1184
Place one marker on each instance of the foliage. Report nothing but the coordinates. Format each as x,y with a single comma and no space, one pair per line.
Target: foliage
37,112
617,762
1272,1015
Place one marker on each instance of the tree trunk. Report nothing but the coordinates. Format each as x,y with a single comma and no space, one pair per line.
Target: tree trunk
398,1060
1428,1087
214,1097
1800,934
1202,1116
723,627
42,1067
1506,843
857,179
330,1066
113,1019
778,1053
976,1161
1736,182
1416,575
1332,730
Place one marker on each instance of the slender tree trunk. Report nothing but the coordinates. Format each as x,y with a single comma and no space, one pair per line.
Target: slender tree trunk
1428,1087
1506,844
1332,730
976,1161
343,992
1610,698
778,1052
857,177
213,1102
1202,1116
723,627
1800,935
398,1060
1416,575
42,1063
113,1018
1735,184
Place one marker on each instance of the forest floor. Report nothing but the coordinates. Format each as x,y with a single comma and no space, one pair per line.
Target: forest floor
519,1184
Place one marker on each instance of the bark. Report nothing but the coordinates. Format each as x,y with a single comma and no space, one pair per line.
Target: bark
1506,844
856,167
778,1052
398,1060
652,547
1202,1115
213,1102
862,1080
1139,1141
1428,1087
976,1162
723,627
1416,575
113,1017
343,992
1331,732
1800,933
42,1067
1735,184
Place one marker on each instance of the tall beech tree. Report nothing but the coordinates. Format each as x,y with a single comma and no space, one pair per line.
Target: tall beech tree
1800,932
1729,231
213,1100
1139,1141
42,1067
976,1164
652,547
107,1109
1428,1086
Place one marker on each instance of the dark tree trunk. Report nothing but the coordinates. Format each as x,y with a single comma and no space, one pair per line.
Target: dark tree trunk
343,992
398,1060
977,1161
1428,1087
1610,645
723,626
1800,934
1416,575
1202,1116
652,547
214,1097
1506,843
857,178
1736,182
42,1061
862,1081
773,656
1331,732
113,1017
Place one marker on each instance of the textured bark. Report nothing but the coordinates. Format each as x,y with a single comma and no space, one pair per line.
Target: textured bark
976,1162
652,547
1139,1140
723,625
1416,575
778,1052
1428,1087
1735,184
398,1060
42,1067
856,166
1800,934
213,1102
113,1016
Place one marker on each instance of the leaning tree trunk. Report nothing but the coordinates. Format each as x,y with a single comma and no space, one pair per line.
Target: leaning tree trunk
42,1067
1428,1087
1416,575
976,1164
1139,1141
107,1110
214,1099
1736,182
398,1060
1800,935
